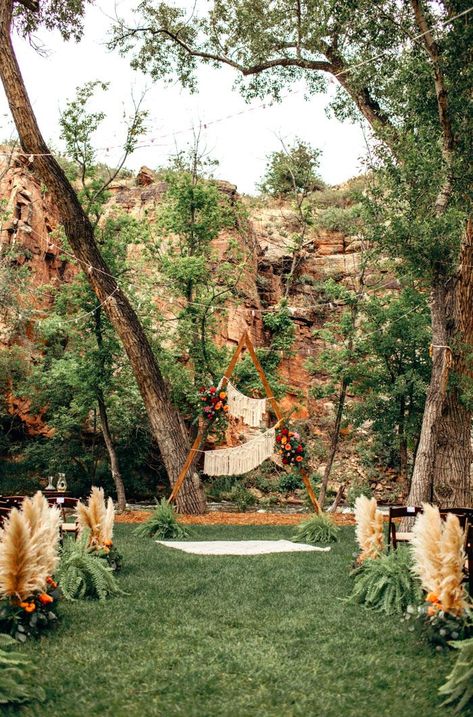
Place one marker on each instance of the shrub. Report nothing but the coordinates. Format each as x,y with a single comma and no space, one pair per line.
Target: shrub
242,497
17,674
459,685
356,490
387,583
163,524
290,482
82,573
319,529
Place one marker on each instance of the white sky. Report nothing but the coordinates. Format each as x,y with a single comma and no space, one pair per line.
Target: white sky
240,144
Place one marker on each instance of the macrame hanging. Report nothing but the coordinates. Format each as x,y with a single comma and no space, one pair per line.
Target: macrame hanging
251,410
240,459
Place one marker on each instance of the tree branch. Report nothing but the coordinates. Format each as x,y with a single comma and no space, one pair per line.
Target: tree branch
442,104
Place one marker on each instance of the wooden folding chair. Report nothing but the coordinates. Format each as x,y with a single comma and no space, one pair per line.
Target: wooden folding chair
67,506
396,512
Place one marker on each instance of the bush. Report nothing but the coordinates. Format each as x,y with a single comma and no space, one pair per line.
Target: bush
290,482
162,524
356,490
319,529
242,497
16,676
387,583
459,685
83,574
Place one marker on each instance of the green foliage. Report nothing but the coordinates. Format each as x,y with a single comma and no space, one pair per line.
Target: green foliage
292,170
357,489
18,677
340,219
459,685
289,482
318,529
163,524
242,497
83,574
281,326
387,583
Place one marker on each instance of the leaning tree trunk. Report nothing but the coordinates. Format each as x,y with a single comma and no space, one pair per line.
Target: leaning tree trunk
442,467
166,424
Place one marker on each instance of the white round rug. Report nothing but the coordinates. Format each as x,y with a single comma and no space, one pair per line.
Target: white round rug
240,547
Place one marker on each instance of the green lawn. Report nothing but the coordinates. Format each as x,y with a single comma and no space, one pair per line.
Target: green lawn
235,636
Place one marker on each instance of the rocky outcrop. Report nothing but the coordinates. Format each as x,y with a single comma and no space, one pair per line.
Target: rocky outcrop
270,273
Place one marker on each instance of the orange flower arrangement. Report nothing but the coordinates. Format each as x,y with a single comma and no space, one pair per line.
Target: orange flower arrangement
291,447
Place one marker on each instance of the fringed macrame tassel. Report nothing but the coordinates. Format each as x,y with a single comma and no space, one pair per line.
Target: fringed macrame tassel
251,410
240,459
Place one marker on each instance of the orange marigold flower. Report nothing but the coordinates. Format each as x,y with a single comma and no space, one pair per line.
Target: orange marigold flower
28,606
283,440
298,459
432,597
108,543
218,406
226,408
45,599
287,446
222,394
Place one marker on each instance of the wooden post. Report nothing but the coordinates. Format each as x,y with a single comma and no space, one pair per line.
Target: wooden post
262,376
189,460
310,491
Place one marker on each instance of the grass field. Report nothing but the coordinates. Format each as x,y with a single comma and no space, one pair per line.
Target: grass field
235,636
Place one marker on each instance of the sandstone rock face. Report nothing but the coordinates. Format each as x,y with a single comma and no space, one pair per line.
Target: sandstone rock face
267,241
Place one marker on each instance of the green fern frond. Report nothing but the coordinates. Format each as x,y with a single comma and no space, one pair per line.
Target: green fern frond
387,583
459,685
83,574
163,524
319,529
17,675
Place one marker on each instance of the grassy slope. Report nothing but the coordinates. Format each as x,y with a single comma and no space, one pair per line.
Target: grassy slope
235,636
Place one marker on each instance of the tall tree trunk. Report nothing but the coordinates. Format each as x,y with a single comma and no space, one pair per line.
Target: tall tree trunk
444,455
114,465
334,442
166,424
106,433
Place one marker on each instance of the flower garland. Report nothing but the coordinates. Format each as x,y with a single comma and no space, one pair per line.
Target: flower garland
291,448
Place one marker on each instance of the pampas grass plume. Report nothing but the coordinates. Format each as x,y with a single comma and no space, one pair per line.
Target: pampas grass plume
369,528
451,591
426,539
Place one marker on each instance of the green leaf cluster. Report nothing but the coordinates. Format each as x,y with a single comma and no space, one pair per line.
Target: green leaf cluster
18,677
163,524
387,583
319,529
459,685
83,574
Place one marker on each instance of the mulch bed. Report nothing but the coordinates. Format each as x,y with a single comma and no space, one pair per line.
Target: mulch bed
221,518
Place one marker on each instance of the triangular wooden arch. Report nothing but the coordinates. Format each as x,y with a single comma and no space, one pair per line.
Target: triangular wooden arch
245,342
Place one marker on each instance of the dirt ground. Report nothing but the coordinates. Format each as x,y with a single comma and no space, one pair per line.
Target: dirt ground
220,518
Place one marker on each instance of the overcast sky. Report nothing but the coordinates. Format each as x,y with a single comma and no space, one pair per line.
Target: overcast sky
240,143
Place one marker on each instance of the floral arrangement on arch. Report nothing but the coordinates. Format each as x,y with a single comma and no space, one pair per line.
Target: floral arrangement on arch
28,559
214,405
290,447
